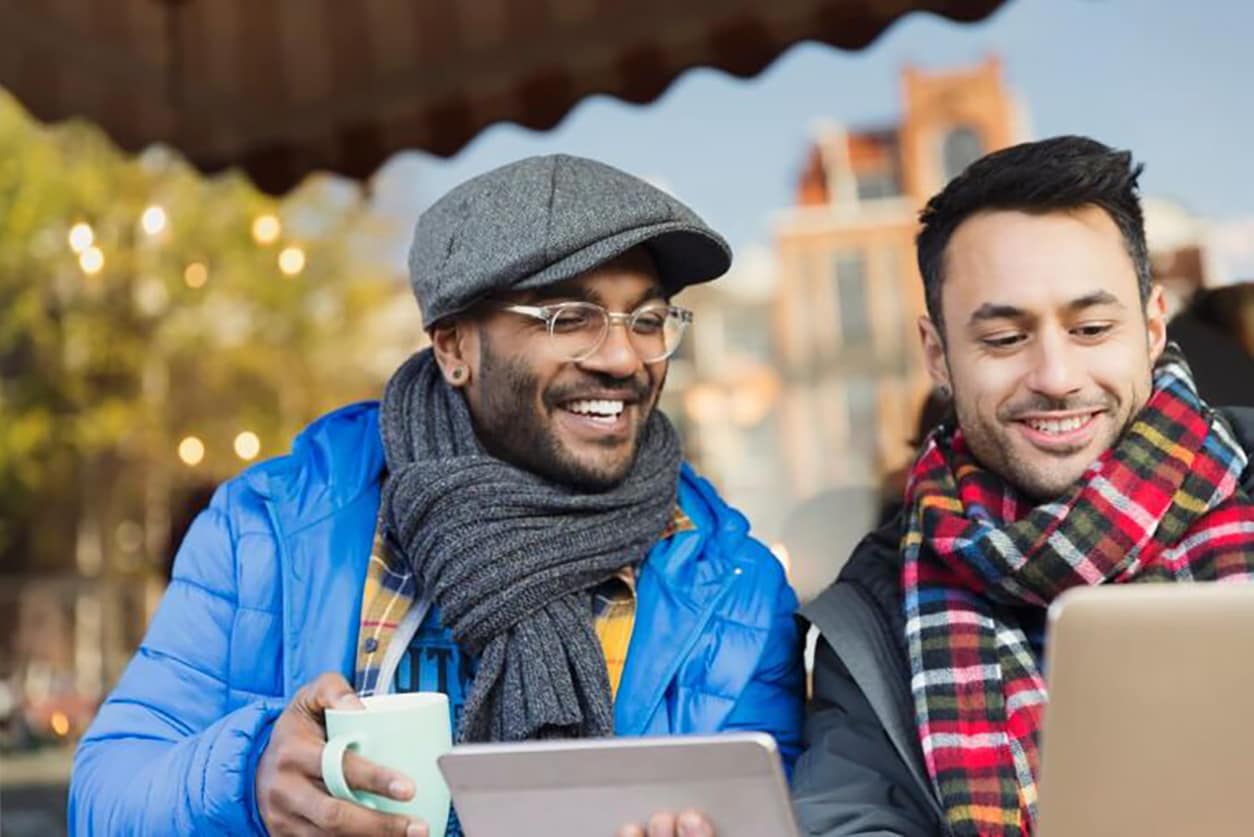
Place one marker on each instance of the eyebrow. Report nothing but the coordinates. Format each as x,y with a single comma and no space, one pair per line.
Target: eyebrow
1094,299
995,311
992,311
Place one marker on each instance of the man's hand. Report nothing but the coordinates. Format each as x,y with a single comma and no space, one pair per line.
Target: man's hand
666,824
290,793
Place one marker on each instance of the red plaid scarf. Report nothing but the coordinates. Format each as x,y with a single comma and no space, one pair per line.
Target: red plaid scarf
1164,504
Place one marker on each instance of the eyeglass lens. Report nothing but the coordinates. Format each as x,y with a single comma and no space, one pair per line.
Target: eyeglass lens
578,329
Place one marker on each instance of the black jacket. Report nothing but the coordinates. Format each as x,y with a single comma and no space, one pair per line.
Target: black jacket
862,773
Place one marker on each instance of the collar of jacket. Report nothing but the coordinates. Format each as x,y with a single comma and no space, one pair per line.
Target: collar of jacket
332,462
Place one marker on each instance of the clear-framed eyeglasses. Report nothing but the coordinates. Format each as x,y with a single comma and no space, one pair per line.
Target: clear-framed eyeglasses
578,329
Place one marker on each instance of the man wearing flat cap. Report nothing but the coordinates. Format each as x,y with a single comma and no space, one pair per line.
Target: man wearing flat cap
512,525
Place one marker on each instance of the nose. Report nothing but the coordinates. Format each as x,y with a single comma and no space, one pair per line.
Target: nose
1057,371
616,356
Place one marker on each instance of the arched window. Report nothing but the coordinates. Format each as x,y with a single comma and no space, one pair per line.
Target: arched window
962,147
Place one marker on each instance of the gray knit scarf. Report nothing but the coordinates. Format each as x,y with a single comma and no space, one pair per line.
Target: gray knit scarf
509,557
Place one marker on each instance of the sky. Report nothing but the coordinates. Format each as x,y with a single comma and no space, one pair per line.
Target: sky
1169,80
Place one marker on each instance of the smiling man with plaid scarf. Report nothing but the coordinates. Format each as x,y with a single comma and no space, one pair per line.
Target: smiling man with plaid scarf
1078,452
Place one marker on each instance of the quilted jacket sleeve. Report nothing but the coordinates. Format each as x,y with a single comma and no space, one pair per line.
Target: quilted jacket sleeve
164,756
773,700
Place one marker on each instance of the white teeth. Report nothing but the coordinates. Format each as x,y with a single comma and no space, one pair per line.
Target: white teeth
597,409
1057,426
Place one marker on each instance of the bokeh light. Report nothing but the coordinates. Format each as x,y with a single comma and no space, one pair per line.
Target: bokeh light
196,275
191,451
91,261
81,237
247,446
266,229
153,220
292,260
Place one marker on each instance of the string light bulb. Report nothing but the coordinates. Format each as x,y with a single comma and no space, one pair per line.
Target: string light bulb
292,260
154,220
191,451
196,275
247,446
266,229
91,260
81,237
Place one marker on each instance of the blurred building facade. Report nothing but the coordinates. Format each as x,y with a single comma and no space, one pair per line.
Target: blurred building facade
849,291
723,390
1179,253
848,294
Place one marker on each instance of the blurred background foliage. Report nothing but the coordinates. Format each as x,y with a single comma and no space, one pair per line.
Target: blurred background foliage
151,317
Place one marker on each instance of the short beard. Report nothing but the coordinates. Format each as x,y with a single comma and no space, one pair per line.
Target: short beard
1023,476
510,430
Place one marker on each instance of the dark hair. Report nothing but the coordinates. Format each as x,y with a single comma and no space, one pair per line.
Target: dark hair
1054,174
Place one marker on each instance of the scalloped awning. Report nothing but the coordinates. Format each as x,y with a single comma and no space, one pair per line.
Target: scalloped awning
284,87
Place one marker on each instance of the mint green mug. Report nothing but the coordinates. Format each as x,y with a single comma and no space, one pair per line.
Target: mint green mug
406,732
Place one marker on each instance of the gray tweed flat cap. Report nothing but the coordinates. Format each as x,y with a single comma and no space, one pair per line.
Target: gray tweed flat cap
543,220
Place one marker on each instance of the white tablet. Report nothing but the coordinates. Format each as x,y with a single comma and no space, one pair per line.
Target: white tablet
588,788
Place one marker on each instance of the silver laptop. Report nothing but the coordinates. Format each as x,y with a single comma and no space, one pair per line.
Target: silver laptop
1149,730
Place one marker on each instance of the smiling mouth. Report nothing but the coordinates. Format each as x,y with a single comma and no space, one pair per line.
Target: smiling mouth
1059,434
1057,427
601,410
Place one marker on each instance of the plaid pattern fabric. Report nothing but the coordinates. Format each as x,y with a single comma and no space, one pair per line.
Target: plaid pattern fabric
1164,504
390,591
613,617
388,594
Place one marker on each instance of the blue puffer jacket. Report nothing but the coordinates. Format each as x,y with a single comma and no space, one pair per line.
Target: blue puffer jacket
266,595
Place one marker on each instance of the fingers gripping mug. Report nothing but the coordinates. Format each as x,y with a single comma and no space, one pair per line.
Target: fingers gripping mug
405,732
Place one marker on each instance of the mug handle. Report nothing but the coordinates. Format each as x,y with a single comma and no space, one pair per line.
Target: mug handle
333,769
